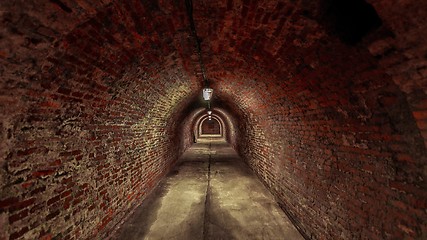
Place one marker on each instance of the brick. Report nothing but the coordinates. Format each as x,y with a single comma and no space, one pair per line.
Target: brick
53,200
50,104
22,204
420,115
19,233
18,216
66,193
43,173
26,152
63,90
405,158
4,203
46,237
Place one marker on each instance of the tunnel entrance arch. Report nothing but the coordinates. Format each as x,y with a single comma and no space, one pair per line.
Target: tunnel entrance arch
208,127
227,123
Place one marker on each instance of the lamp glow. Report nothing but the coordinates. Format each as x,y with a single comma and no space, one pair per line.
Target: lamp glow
207,93
209,112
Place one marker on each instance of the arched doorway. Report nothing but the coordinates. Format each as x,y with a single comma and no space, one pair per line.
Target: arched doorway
211,127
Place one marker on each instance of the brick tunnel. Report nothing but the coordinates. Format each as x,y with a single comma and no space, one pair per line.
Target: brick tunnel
325,102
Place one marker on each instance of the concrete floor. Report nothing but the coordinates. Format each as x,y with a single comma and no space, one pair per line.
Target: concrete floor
211,194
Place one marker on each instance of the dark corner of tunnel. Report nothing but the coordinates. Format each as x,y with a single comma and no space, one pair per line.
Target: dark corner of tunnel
350,20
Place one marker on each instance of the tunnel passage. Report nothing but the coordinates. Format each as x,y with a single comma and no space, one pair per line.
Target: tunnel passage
224,121
99,99
210,126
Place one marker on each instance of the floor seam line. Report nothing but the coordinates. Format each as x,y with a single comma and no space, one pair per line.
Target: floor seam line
206,215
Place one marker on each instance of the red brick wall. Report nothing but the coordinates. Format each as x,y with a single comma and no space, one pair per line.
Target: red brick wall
96,100
230,125
322,123
90,108
187,132
402,52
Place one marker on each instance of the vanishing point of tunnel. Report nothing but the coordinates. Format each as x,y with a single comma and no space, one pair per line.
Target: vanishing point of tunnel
226,119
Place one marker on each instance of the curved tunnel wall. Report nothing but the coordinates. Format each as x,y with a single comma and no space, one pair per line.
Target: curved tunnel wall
93,108
230,125
89,115
318,141
320,117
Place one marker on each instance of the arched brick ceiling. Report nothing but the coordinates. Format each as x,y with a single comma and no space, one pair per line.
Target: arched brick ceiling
93,95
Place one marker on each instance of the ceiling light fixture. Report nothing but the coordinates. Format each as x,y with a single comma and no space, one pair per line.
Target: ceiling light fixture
207,93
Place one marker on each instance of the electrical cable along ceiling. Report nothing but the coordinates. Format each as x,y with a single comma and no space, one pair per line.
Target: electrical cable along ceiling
207,91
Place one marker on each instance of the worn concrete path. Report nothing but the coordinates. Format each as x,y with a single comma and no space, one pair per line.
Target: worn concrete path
211,194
